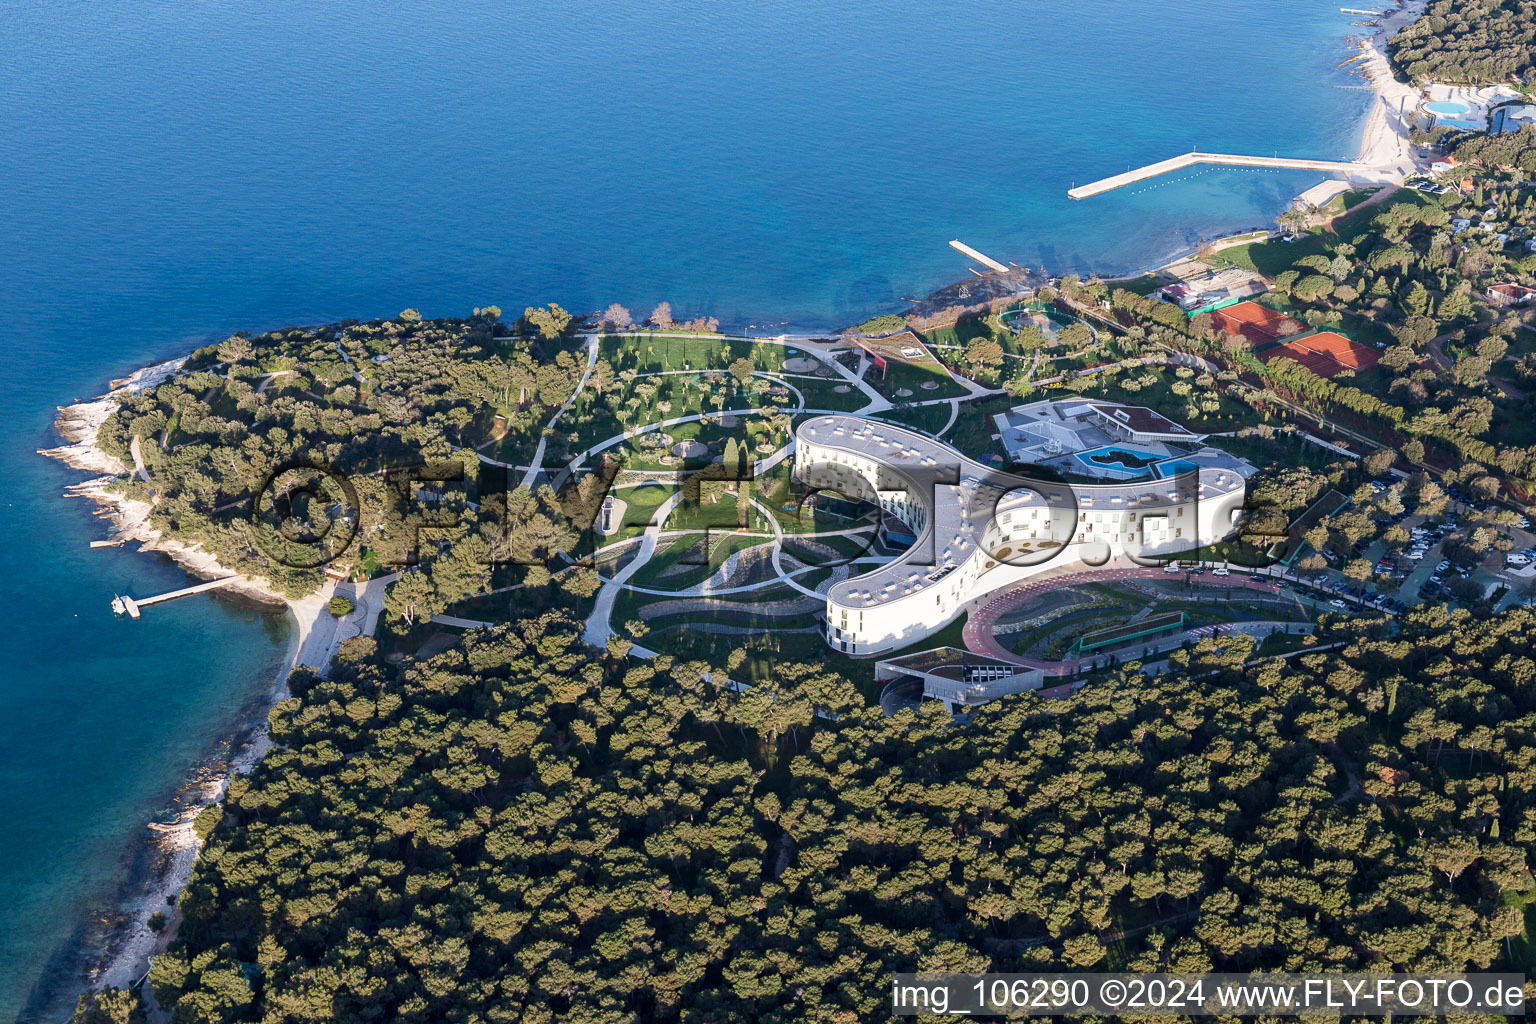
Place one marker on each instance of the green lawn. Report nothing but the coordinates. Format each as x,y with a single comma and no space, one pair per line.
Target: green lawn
1146,284
1231,413
965,330
713,507
823,394
1523,948
689,549
911,377
748,430
641,504
973,429
649,353
1358,221
1280,450
1270,258
929,419
1522,344
1347,200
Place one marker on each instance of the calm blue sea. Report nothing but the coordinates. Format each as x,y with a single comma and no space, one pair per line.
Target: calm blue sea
173,170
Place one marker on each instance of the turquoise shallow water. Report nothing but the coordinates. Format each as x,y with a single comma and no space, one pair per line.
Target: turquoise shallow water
175,170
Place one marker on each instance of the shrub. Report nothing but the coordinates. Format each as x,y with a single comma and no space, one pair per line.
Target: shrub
883,324
207,820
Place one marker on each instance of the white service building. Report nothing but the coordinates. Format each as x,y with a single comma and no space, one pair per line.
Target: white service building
980,530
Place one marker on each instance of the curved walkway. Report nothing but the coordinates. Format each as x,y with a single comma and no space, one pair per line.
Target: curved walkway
599,624
536,463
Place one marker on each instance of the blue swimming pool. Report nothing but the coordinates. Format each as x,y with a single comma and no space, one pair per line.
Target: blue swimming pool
1119,458
1446,107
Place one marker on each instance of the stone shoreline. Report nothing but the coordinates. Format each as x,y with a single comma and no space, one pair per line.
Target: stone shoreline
164,856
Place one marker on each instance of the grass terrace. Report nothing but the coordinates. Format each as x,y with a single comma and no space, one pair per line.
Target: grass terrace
911,377
698,555
653,353
823,394
930,419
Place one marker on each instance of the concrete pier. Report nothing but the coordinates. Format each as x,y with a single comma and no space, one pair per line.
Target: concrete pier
125,605
991,263
1184,160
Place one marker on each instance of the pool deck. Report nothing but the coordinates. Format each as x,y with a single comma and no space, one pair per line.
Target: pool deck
1193,159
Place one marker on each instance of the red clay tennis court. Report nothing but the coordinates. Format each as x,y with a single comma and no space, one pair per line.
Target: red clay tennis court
1325,354
1259,324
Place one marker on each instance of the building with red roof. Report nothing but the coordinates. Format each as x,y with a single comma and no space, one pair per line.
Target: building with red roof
1510,294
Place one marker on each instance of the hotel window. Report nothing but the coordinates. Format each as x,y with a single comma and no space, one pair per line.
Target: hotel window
1179,532
1181,511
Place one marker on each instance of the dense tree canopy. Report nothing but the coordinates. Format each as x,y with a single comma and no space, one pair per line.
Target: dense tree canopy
1471,42
519,830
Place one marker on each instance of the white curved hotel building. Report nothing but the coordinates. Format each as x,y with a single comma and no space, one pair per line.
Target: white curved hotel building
980,530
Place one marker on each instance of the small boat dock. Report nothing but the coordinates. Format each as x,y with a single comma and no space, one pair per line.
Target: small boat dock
122,604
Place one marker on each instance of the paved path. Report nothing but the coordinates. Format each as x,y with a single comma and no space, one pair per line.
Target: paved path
599,624
454,620
327,632
269,378
137,451
536,463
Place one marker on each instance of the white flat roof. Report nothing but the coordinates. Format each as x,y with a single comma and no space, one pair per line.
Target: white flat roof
956,526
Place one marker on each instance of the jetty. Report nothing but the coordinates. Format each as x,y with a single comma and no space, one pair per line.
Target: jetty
1179,163
122,604
982,258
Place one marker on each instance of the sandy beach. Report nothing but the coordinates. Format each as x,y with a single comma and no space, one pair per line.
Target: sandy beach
1385,140
317,635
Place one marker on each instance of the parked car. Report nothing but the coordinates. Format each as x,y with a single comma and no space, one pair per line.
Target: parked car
1223,571
1170,568
1336,603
